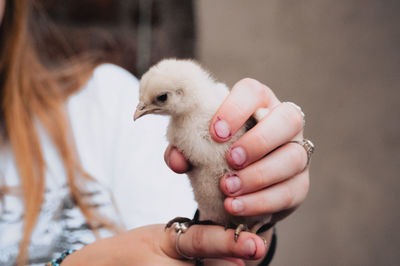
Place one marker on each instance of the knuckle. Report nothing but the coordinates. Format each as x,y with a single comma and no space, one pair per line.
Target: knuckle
171,235
249,82
297,156
287,197
231,249
302,189
262,139
255,86
198,240
305,186
238,110
258,179
292,116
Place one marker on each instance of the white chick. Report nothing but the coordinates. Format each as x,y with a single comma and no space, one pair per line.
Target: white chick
187,93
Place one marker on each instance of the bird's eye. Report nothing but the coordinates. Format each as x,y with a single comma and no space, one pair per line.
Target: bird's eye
162,98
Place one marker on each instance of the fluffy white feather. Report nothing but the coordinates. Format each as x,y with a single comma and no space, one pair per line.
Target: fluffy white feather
187,93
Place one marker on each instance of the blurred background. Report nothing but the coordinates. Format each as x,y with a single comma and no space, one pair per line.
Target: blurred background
339,60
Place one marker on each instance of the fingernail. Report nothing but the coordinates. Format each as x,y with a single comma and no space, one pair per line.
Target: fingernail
221,129
232,183
250,247
237,205
238,156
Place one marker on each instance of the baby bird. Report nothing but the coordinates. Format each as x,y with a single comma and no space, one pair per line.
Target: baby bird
183,90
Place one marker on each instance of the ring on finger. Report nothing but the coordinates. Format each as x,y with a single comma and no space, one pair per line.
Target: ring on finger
308,146
181,228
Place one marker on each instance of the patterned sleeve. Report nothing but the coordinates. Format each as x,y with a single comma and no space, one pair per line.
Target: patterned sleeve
127,156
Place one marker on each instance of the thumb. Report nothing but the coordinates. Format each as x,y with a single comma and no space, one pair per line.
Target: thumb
176,160
210,241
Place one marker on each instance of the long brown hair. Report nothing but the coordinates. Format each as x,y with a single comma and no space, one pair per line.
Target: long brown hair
32,91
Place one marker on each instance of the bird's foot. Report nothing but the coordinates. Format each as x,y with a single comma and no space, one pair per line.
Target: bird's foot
240,228
187,221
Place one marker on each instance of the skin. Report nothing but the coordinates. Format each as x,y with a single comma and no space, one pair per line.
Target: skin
268,184
153,245
276,183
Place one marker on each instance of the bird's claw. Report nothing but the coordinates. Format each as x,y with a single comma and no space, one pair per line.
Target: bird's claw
240,228
187,221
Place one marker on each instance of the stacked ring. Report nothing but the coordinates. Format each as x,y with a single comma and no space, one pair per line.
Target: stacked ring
181,228
308,147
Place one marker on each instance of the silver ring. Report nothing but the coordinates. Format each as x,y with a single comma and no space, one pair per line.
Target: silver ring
308,146
301,112
181,228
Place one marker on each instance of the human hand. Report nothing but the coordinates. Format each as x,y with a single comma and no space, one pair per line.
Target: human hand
153,245
270,177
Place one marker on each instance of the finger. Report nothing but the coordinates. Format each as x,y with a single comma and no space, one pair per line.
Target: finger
176,160
202,241
283,163
224,262
285,195
246,96
281,125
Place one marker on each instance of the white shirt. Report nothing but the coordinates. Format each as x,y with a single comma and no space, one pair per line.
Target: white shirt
125,157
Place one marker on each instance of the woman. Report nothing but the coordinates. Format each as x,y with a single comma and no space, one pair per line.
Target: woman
68,140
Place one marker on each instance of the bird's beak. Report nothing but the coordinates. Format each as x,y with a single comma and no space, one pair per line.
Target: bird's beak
141,110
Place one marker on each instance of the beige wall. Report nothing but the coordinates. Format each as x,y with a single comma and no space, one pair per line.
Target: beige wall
340,61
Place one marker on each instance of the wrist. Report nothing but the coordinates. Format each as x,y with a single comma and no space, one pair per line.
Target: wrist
98,253
60,259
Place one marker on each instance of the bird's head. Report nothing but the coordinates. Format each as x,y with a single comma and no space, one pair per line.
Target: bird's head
170,88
